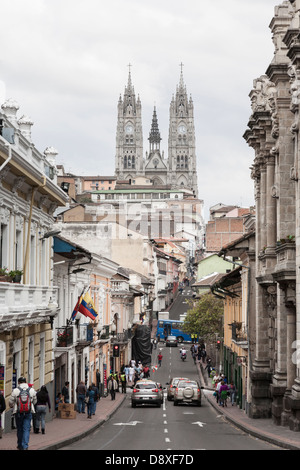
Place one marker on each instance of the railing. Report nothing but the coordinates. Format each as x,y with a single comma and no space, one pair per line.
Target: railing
122,337
85,333
64,337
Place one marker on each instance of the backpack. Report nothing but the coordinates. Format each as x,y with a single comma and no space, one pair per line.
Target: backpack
24,400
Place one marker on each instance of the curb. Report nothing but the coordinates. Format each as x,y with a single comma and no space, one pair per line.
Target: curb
255,433
71,440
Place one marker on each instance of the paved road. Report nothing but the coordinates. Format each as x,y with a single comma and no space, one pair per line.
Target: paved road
184,427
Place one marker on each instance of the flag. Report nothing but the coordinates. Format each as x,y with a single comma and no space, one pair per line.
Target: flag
74,313
86,307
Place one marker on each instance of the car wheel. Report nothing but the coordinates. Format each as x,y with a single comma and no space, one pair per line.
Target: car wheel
169,398
198,403
175,403
133,405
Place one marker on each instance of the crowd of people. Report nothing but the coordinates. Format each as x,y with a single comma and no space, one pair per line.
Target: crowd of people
222,389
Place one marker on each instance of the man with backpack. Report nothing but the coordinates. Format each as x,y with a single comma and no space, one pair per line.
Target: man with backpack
22,400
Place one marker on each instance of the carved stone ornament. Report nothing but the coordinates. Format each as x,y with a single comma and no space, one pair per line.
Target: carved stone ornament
294,174
263,96
271,297
274,191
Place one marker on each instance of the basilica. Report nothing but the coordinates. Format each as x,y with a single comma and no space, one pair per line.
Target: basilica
179,169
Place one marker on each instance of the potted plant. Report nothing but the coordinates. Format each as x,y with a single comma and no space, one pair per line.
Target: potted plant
16,275
4,275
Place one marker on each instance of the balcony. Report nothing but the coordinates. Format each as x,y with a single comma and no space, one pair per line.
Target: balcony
64,337
25,304
122,338
238,334
85,334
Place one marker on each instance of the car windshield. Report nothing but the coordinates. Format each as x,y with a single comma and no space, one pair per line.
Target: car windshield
146,386
188,383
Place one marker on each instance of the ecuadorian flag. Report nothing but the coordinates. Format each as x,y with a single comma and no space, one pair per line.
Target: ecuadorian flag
86,307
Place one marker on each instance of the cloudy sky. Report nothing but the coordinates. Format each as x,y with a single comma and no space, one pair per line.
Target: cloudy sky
66,63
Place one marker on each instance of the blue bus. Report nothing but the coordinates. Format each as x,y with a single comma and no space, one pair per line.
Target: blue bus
172,328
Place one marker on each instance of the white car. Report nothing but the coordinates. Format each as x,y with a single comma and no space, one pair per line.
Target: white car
187,391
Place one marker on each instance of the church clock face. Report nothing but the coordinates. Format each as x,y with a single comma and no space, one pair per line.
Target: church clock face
182,129
129,129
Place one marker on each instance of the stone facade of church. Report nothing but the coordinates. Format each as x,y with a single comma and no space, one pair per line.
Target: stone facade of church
273,133
179,169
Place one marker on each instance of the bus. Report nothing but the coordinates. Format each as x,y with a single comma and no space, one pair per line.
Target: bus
172,328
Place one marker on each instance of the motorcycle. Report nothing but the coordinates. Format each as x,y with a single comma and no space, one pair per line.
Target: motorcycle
183,356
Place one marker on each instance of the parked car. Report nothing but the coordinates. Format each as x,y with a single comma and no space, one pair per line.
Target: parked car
171,387
171,341
187,391
147,392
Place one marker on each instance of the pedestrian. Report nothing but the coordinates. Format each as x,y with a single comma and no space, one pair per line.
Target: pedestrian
146,371
131,373
223,390
126,372
65,392
43,400
2,409
155,343
81,394
90,399
22,401
112,386
232,392
58,400
123,382
96,399
159,358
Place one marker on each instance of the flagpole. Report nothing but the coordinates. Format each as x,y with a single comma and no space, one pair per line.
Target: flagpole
70,321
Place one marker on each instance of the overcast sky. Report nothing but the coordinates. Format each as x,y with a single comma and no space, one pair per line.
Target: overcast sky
66,63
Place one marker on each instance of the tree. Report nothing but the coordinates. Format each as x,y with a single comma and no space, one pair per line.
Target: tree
206,317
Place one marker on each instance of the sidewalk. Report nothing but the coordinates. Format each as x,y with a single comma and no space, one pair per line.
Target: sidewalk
61,432
263,429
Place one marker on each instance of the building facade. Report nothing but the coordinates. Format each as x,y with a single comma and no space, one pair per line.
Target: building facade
29,196
273,133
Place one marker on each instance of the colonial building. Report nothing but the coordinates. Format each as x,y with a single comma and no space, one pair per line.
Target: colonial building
273,133
179,168
28,198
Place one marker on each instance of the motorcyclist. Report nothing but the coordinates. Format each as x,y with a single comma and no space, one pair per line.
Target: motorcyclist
182,351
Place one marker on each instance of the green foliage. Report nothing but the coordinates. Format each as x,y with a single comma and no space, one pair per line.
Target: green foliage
206,317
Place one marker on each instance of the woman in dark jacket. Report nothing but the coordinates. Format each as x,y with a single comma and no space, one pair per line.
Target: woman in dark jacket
2,409
43,401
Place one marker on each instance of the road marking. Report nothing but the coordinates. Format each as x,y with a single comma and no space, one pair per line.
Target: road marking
131,423
167,439
166,431
199,424
165,422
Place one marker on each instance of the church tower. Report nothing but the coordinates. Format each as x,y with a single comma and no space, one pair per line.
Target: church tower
129,140
182,143
155,166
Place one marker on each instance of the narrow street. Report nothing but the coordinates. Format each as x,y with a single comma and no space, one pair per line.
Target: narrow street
182,428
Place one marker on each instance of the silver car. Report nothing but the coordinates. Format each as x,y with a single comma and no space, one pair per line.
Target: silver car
147,392
171,387
187,391
171,341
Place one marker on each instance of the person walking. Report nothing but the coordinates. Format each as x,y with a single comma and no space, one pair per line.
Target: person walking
2,409
223,393
123,382
232,393
159,358
112,387
81,394
131,373
96,399
43,400
90,398
22,401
